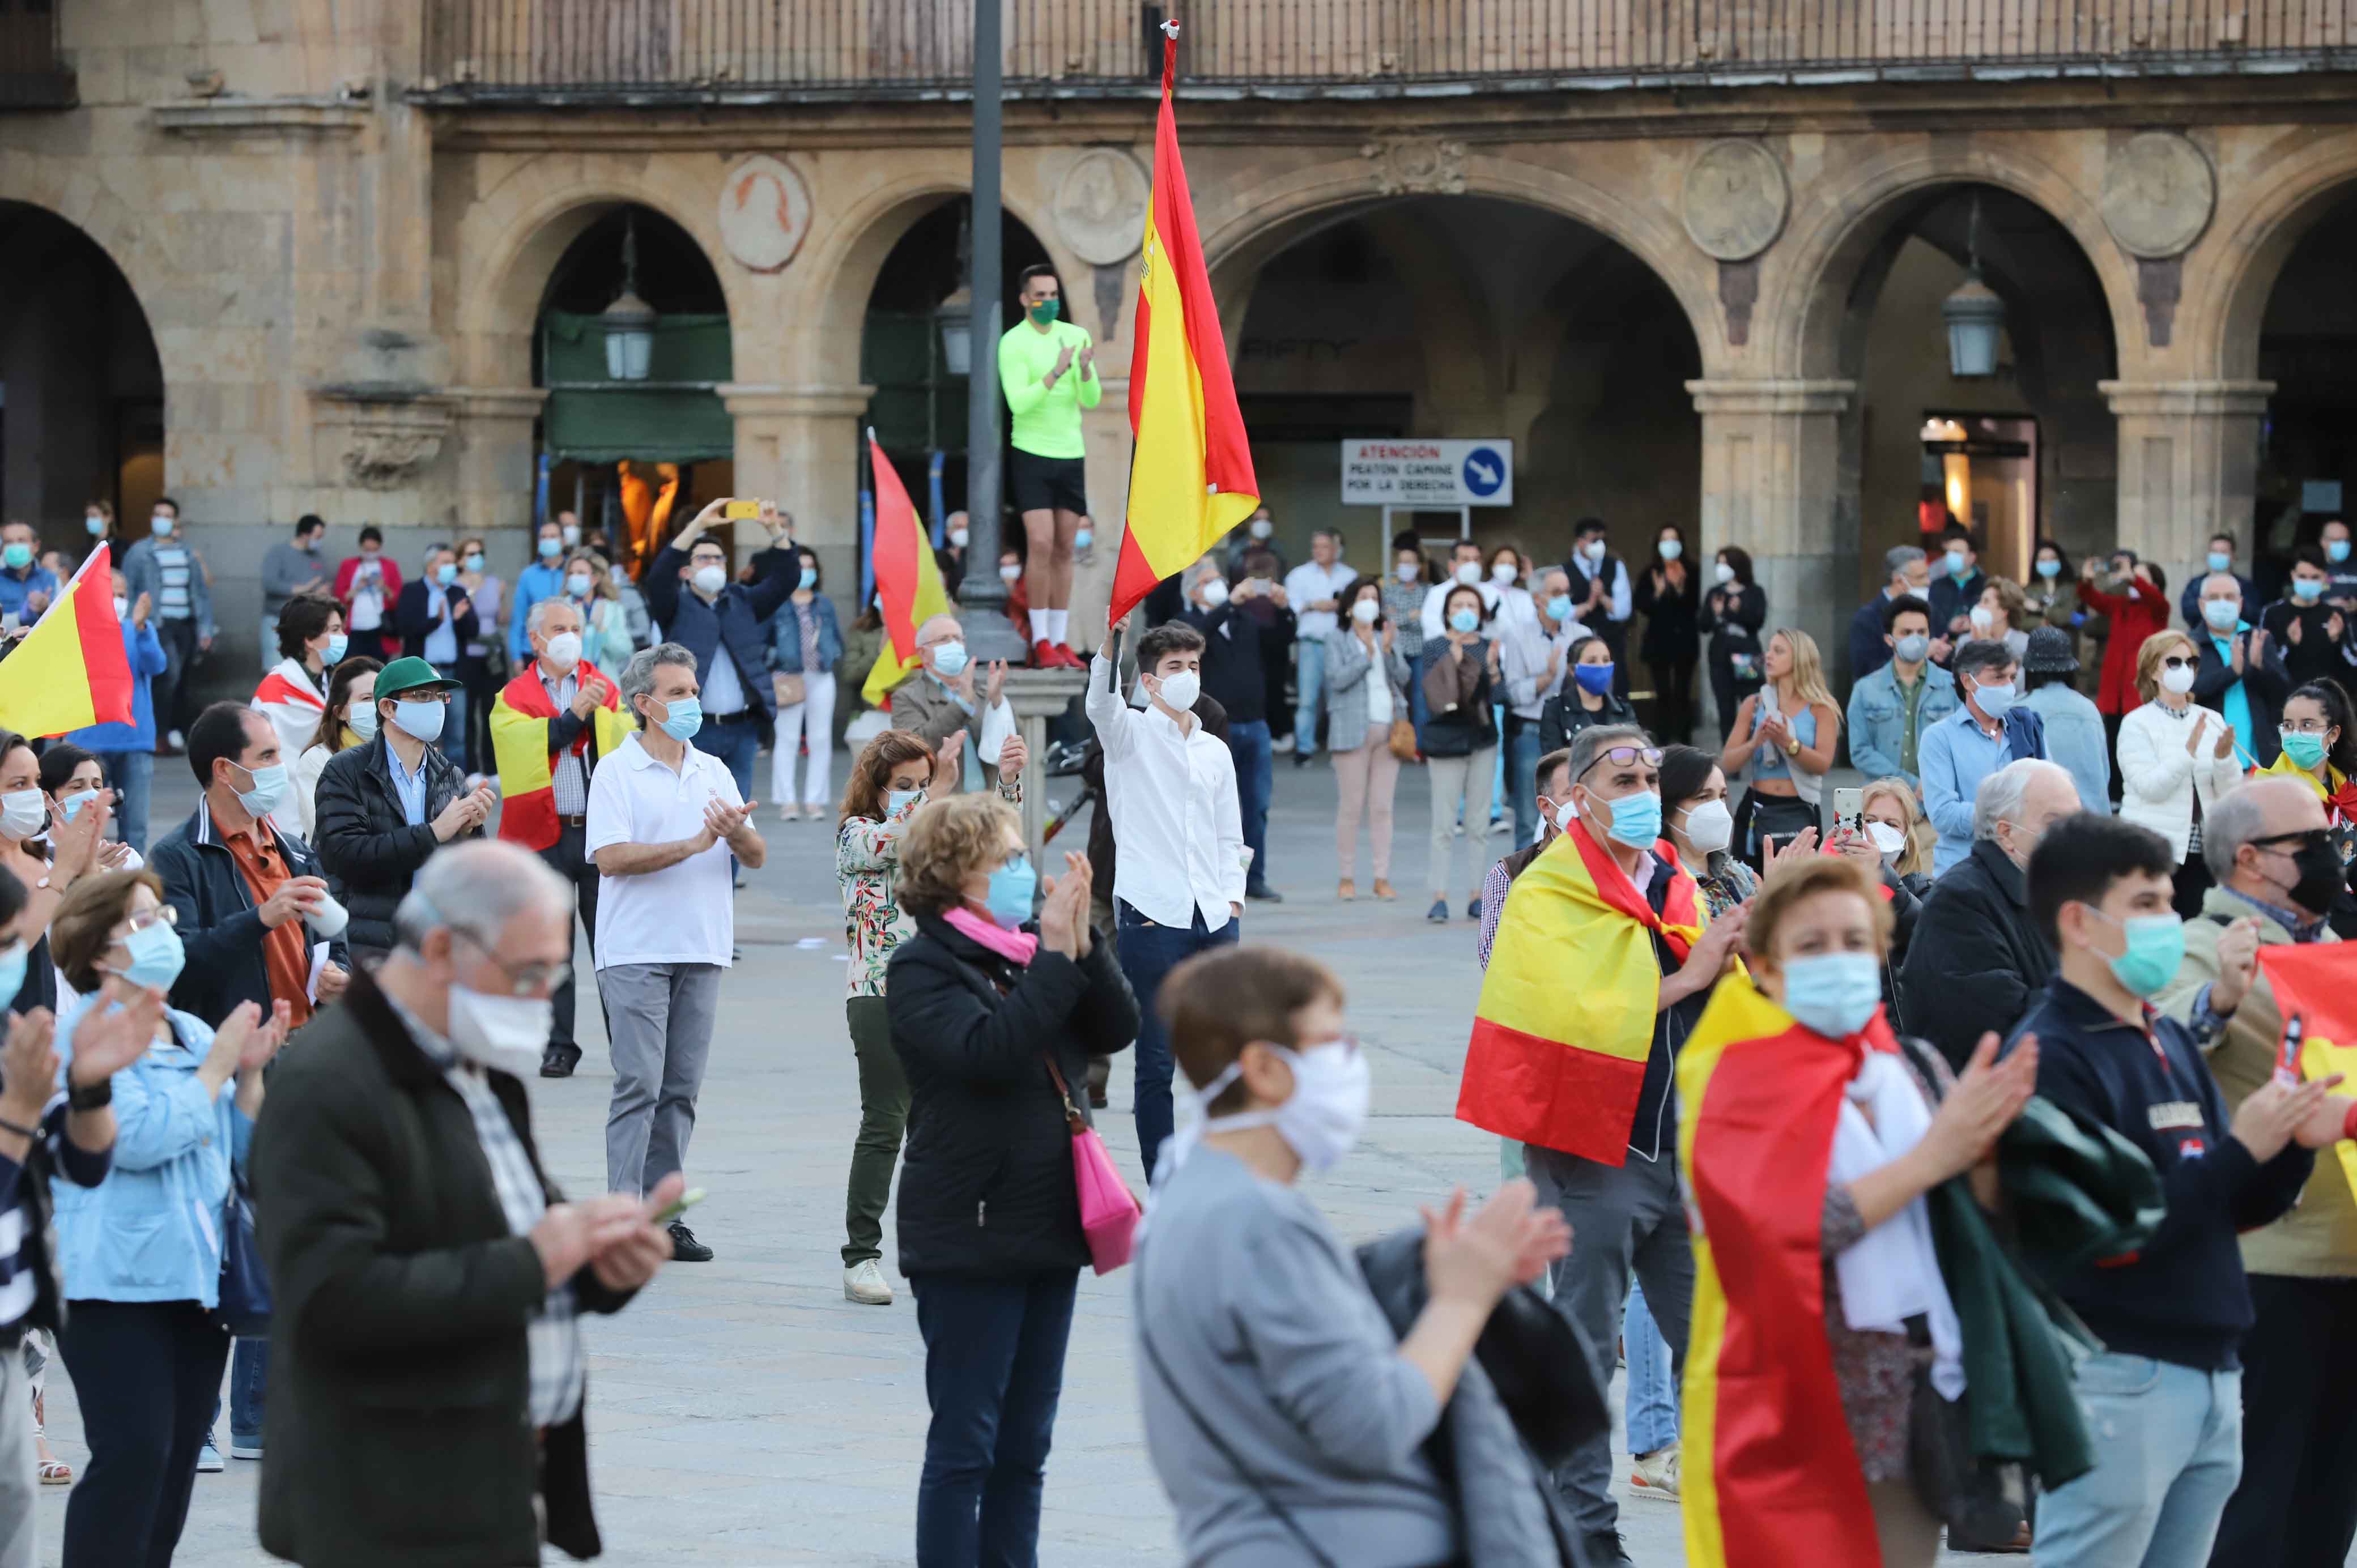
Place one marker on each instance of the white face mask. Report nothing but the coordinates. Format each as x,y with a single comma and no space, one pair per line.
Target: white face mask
1178,691
1215,592
1593,550
22,813
958,537
1262,528
2178,681
1723,572
1408,570
1504,572
1322,1117
505,1032
1365,611
563,651
1010,573
122,609
1710,827
1982,617
711,579
1887,839
1469,571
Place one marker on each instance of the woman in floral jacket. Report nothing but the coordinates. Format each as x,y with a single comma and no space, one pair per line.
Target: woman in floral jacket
895,774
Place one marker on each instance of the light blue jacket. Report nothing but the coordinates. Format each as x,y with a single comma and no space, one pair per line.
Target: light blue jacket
2075,738
152,1230
533,584
1878,719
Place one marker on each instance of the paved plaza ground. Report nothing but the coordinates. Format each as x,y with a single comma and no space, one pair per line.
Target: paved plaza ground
743,1412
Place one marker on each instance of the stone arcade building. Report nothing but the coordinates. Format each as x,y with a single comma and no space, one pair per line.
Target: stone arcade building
279,256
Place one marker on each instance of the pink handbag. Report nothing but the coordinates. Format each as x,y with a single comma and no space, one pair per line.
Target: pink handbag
1109,1215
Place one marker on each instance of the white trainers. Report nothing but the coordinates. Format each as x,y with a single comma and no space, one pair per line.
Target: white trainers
864,1283
1655,1475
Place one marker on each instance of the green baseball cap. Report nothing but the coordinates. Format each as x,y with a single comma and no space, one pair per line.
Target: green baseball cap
412,675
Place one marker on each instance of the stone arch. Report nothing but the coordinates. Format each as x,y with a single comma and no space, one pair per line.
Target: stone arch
64,189
2254,240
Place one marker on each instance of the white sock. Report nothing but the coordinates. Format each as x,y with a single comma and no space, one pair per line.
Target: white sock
1060,623
1039,626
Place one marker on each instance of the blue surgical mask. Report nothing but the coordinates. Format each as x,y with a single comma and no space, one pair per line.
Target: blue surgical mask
549,548
447,572
1995,701
686,718
1463,621
2050,567
2304,748
2308,590
421,720
2220,561
809,577
334,653
2156,946
1636,819
1593,679
96,525
156,957
2336,550
13,963
579,583
475,561
2222,614
1083,539
1559,608
362,718
896,799
1914,648
1958,565
949,659
1671,548
1834,993
72,804
18,556
1011,887
269,787
161,525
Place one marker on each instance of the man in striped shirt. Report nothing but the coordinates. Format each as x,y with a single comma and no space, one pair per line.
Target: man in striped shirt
166,568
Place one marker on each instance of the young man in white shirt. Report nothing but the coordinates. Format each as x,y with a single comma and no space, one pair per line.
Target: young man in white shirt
1179,839
663,820
1464,566
1314,589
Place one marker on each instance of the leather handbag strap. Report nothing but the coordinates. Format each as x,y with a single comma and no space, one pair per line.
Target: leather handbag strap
1072,1117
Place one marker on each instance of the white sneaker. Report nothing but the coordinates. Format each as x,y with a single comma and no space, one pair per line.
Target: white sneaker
1655,1475
865,1284
1281,746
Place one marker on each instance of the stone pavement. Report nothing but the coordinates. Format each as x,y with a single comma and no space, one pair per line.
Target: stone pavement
743,1412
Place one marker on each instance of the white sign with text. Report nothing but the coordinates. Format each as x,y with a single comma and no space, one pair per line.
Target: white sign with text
1407,472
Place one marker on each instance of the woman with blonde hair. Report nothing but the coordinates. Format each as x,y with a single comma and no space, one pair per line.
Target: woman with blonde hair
1888,807
605,640
2175,759
1785,733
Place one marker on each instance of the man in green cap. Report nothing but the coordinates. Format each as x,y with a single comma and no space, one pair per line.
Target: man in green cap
383,808
1047,368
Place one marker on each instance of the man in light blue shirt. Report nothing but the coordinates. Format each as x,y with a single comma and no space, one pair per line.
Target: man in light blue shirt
543,579
1988,732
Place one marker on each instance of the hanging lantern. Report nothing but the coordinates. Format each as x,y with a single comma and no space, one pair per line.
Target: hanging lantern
955,317
630,321
1973,315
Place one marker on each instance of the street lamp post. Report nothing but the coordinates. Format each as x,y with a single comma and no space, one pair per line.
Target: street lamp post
981,596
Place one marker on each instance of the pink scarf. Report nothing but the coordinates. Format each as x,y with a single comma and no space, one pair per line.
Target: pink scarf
1015,947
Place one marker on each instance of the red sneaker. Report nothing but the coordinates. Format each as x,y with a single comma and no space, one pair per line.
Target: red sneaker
1043,656
1071,660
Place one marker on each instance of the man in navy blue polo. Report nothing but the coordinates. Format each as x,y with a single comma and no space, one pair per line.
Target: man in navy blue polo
690,595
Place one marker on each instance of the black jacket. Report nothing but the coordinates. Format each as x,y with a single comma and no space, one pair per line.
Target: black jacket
1733,614
737,620
1975,957
400,1383
369,850
2315,657
1563,715
217,921
2180,1297
1239,651
1673,616
987,1180
415,621
2265,684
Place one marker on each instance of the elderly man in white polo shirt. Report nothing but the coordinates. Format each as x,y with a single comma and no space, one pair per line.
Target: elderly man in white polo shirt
1178,841
663,820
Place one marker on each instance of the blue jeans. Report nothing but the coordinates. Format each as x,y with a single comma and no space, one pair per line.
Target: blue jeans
134,773
994,1369
2168,1451
249,1365
1248,745
1522,774
1650,1402
736,745
1147,953
1309,689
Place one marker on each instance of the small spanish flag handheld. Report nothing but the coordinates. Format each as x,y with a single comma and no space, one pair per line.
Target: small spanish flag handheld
2316,988
908,580
70,671
1190,480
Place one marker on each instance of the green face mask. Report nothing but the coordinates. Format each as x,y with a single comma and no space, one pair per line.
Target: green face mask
2304,749
2156,946
1047,310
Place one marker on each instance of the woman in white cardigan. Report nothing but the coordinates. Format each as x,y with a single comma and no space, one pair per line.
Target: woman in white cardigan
2175,758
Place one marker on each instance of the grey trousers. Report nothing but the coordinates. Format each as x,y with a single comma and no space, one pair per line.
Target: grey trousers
20,1487
658,1021
1622,1220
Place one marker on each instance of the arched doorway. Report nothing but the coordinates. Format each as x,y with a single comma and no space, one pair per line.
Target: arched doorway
2308,348
82,388
632,342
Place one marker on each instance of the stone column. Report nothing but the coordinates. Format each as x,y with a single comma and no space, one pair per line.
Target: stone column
1037,696
2189,466
492,439
1771,483
798,447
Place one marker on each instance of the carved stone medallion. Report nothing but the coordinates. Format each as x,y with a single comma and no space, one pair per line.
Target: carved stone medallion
765,210
1418,166
2159,192
1734,200
1101,205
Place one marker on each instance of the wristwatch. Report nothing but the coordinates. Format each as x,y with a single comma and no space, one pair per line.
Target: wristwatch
92,1096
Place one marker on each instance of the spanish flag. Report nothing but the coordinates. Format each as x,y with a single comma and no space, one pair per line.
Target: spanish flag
1566,1019
1770,1476
520,719
70,669
2314,983
908,579
1190,479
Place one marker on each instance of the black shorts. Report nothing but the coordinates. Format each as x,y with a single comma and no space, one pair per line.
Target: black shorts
1037,484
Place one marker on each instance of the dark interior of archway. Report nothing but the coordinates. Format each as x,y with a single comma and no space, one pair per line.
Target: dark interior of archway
674,275
1470,317
2307,346
81,389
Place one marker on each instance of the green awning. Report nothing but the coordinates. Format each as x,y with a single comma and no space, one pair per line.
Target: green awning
673,416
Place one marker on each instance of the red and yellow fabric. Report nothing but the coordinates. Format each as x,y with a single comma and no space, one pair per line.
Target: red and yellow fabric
2342,798
2317,983
1566,1019
908,580
1190,476
520,720
70,671
1768,1474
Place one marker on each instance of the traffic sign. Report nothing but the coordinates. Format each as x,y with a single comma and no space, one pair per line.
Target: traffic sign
1440,473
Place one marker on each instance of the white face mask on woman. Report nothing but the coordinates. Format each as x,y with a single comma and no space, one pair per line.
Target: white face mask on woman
1319,1121
1710,827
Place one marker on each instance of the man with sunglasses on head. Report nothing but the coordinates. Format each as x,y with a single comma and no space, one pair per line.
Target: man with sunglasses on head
1601,1148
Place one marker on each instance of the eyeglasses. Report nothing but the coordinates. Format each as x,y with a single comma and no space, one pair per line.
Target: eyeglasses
416,694
2179,661
523,979
2305,726
1624,756
164,913
2299,841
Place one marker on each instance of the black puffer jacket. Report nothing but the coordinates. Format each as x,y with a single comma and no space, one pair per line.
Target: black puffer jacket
367,845
1976,960
987,1181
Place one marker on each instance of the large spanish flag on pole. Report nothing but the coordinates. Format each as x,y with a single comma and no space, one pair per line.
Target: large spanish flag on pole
908,579
1191,478
1566,1019
70,669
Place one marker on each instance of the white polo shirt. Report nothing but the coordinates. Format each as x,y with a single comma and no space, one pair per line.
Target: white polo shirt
681,914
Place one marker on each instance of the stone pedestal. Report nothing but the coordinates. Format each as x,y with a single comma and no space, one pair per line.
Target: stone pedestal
798,447
1037,696
2189,466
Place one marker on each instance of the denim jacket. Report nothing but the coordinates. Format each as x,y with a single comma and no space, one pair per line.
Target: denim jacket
152,1230
786,637
1878,718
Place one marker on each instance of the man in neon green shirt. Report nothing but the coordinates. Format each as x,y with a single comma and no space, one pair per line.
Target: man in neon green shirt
1048,369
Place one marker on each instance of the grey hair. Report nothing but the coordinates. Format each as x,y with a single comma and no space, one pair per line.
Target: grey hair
490,880
532,620
639,674
1591,744
2234,820
1898,558
2000,795
1981,653
2226,577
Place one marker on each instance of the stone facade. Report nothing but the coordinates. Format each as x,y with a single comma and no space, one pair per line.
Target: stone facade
341,270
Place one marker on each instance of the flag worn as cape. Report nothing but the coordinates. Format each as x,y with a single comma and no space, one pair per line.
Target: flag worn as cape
70,669
2317,983
520,720
1769,1475
908,579
1566,1019
1190,477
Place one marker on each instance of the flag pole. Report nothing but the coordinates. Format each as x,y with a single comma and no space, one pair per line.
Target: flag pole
981,596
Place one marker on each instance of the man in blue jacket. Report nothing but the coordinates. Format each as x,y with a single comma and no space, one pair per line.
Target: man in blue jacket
1893,707
542,579
2164,1397
1904,571
1990,730
690,595
2221,559
1956,585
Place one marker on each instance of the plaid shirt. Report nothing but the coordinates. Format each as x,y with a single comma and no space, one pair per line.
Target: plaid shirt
554,1337
568,780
